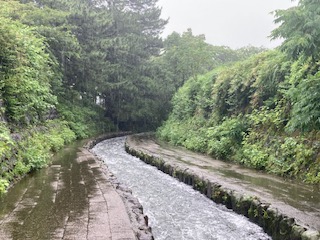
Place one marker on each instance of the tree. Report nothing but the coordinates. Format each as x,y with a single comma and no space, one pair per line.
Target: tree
134,38
187,56
110,60
54,27
300,29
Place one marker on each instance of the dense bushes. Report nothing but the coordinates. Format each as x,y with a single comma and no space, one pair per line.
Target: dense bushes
25,73
36,145
262,112
84,118
31,149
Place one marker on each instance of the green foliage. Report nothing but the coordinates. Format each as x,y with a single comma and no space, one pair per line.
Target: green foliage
286,156
253,154
25,73
20,169
6,142
313,176
249,84
241,113
84,118
225,138
294,156
34,151
194,97
172,132
187,56
256,143
300,28
58,134
3,185
7,152
52,24
267,119
305,98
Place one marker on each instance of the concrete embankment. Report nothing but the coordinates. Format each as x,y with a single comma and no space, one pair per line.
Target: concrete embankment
277,217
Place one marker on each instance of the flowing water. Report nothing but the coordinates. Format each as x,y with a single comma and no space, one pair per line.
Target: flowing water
174,209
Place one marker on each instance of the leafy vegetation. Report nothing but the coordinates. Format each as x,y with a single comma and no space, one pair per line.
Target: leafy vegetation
300,28
75,68
262,112
24,63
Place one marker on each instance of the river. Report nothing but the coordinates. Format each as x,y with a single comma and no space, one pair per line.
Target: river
175,210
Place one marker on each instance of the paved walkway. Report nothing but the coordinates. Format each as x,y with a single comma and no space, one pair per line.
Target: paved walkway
72,199
105,216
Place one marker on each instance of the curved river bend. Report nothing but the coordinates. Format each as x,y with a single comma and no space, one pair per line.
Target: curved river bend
174,209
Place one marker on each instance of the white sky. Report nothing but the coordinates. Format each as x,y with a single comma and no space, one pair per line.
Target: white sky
233,23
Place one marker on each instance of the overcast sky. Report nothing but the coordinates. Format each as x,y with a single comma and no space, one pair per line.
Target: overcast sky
233,23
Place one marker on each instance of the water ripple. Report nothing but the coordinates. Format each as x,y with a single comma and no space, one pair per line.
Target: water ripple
174,209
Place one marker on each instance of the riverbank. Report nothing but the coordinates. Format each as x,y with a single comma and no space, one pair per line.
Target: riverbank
75,197
247,192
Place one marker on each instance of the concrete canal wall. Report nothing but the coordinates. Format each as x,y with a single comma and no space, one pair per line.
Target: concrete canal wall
277,225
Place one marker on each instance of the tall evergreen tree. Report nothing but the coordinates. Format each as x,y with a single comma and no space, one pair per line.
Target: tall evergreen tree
134,38
115,41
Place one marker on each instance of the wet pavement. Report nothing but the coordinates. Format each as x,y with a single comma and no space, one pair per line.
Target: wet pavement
290,198
71,199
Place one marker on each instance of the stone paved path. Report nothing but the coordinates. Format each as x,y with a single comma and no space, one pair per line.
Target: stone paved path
68,200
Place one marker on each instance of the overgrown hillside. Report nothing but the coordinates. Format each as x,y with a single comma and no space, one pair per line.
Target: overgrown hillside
36,118
263,112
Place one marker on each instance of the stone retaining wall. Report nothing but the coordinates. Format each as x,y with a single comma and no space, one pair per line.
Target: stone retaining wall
278,226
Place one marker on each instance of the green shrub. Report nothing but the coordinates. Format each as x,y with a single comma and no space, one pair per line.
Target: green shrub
225,138
290,157
25,73
58,134
305,97
313,178
34,151
196,142
172,132
262,112
253,153
3,185
20,169
284,156
84,118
